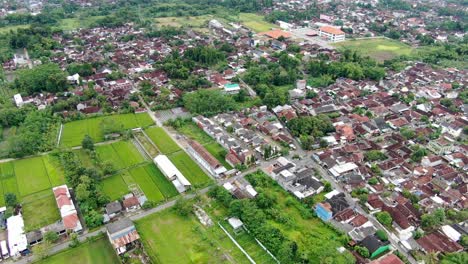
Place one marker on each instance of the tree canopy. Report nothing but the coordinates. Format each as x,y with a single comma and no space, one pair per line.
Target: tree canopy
208,102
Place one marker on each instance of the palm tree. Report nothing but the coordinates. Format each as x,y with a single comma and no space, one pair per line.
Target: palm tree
431,258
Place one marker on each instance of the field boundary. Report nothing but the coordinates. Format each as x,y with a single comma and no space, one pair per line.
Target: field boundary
237,244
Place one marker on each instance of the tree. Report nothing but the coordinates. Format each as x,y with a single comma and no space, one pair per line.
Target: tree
74,241
374,155
93,219
431,258
208,102
385,218
464,240
11,200
373,181
41,251
382,235
183,207
327,187
364,252
455,258
51,236
87,143
46,77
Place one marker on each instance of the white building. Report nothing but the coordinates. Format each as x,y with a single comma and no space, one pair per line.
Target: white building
17,240
18,100
172,173
67,209
332,34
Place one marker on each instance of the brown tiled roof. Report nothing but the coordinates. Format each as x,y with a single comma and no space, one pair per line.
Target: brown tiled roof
71,221
130,202
438,242
126,239
359,220
388,259
214,163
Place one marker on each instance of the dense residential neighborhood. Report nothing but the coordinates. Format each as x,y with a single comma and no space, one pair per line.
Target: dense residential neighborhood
233,131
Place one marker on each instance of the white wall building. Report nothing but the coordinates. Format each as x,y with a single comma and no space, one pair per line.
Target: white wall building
172,173
332,34
17,240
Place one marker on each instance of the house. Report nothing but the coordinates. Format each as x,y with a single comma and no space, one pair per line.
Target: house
236,224
131,203
388,259
438,242
203,157
331,34
122,234
17,240
34,237
113,209
231,88
375,245
276,34
323,211
67,209
172,173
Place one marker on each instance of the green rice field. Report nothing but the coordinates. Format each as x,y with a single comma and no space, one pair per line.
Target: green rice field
99,250
73,132
162,140
40,209
31,175
146,183
190,169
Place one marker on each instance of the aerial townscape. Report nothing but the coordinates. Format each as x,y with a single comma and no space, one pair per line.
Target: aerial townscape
234,131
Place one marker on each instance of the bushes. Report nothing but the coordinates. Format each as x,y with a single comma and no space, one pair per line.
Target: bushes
381,235
384,218
362,251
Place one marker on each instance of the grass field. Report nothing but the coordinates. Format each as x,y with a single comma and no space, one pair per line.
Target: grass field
14,28
162,140
114,187
255,22
106,153
73,132
192,131
187,21
380,49
40,209
169,238
31,175
146,183
75,23
164,185
128,153
92,252
194,174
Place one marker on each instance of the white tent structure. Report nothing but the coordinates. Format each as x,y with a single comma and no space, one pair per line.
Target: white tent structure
172,173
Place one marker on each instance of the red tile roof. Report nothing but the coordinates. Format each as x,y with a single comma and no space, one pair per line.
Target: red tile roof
388,259
204,154
331,30
438,242
130,202
71,221
276,34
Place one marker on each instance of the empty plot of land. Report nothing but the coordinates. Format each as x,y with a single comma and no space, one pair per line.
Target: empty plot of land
31,175
380,48
162,140
194,174
146,183
40,209
191,243
255,22
91,252
73,132
146,144
115,187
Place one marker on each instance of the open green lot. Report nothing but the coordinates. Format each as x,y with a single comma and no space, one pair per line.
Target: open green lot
164,185
40,209
191,21
76,23
255,22
194,174
162,140
146,183
114,187
128,153
73,132
380,49
92,252
170,238
31,175
106,153
192,131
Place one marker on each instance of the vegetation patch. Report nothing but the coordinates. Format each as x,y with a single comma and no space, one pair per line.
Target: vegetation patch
31,175
379,49
146,183
194,174
73,132
162,140
40,209
96,251
255,22
114,187
190,243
